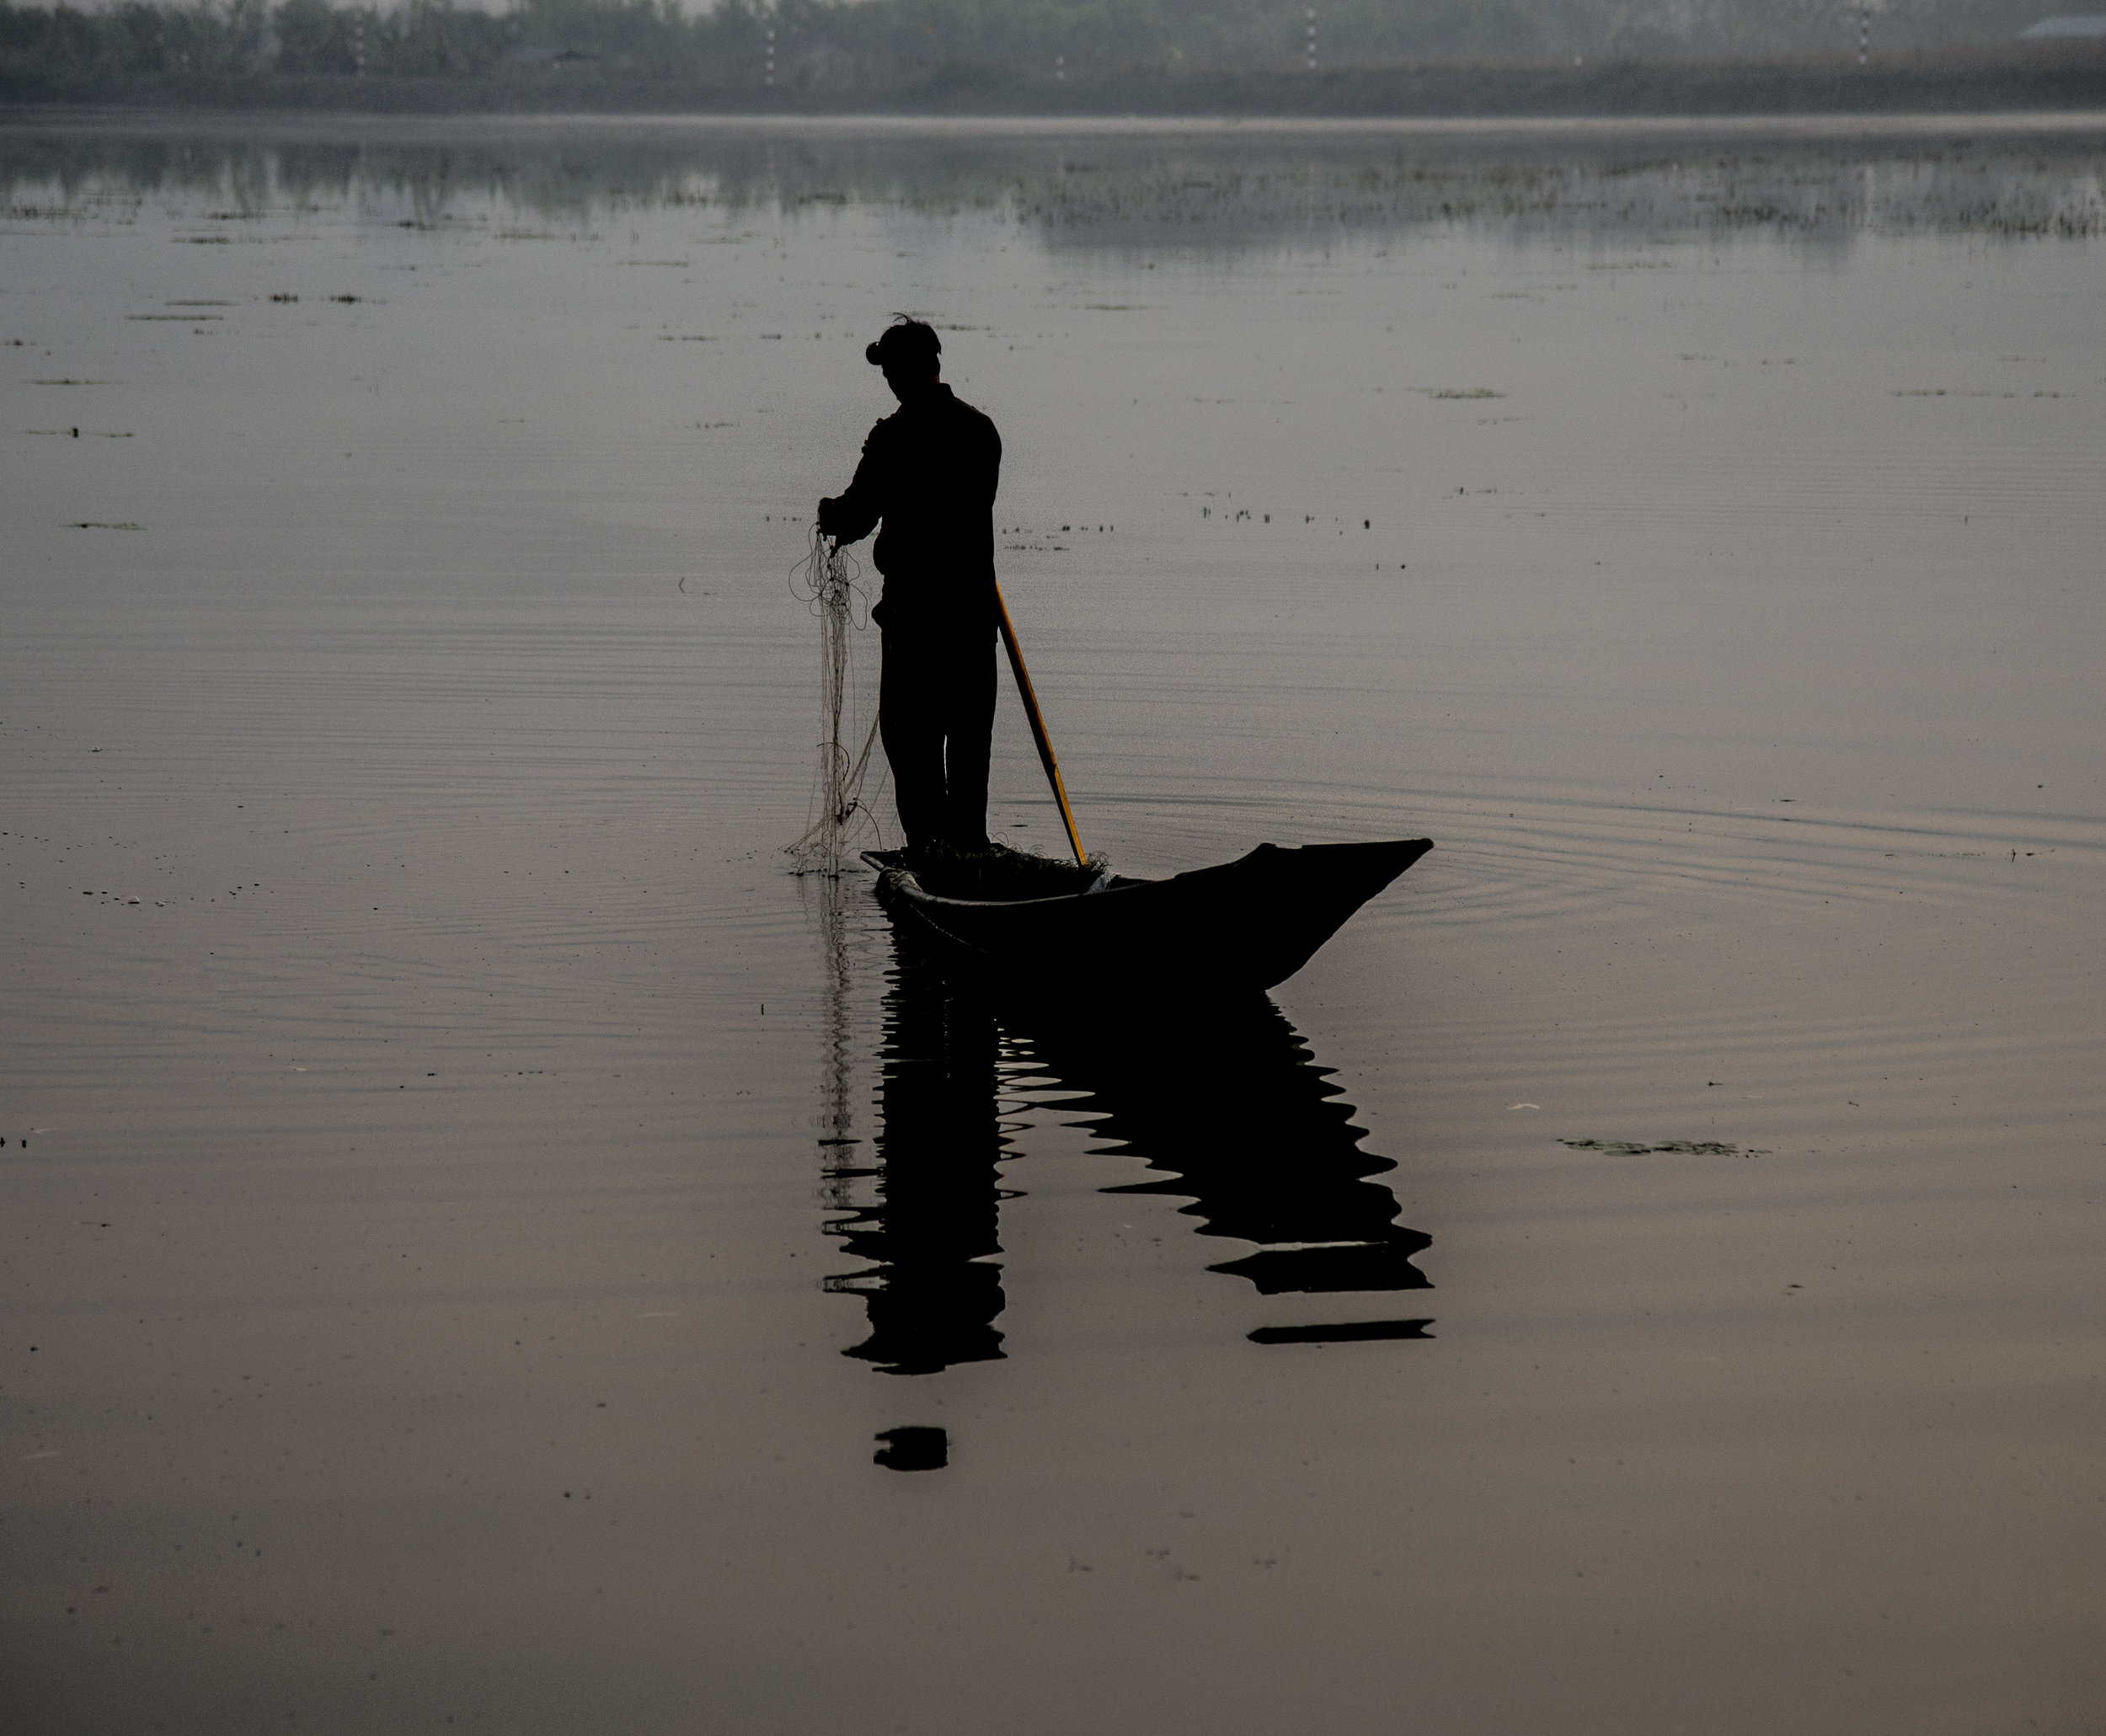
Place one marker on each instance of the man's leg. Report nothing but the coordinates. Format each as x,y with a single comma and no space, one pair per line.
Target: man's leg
969,728
910,720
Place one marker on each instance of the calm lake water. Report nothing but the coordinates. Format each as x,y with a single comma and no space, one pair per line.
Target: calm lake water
487,1245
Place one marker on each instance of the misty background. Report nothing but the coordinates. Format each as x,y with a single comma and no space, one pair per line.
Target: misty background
836,43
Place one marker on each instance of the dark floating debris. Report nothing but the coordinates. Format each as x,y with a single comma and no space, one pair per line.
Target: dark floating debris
913,1449
1635,1148
1350,1332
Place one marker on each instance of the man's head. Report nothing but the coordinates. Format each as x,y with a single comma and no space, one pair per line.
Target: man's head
908,353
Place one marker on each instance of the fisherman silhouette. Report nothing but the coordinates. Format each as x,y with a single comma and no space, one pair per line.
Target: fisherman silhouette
929,471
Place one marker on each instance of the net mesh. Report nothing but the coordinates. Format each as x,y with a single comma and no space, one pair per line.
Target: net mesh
828,582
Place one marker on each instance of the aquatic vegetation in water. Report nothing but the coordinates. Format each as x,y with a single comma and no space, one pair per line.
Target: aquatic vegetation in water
1637,1148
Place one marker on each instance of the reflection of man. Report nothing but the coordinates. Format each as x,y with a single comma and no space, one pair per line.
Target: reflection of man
933,1288
929,471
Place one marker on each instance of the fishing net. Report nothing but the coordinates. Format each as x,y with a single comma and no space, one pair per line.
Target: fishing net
827,582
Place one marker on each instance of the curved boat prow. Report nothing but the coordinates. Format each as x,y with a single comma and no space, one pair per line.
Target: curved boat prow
1331,882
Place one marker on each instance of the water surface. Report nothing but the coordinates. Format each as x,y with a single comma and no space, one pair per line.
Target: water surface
479,1213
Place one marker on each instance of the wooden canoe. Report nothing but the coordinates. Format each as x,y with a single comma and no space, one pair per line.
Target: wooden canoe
1243,925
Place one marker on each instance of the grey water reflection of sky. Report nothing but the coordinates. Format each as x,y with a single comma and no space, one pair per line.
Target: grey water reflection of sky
435,1229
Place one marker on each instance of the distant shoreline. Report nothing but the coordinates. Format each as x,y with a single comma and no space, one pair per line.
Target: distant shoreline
1961,82
354,125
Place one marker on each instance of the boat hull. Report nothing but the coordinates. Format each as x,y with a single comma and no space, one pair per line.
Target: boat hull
1247,925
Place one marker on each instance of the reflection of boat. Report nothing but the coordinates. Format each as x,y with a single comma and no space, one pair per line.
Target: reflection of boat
1245,925
1224,1104
1234,1113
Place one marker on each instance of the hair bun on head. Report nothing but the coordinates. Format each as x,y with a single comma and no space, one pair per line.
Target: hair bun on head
870,355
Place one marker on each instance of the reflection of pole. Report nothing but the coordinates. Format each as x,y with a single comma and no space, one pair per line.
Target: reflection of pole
771,56
1312,39
1864,30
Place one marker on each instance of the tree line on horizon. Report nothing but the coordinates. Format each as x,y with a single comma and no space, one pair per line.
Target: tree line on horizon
833,43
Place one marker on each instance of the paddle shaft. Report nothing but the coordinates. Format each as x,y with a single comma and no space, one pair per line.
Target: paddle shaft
1038,723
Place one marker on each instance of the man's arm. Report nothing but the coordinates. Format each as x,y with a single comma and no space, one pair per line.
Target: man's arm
853,515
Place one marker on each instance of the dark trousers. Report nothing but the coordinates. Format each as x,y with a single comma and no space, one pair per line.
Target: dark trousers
936,710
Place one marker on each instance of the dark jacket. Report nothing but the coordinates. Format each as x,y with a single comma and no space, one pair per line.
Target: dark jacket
929,471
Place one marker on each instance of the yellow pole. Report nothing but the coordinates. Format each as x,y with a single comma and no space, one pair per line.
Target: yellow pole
1038,723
